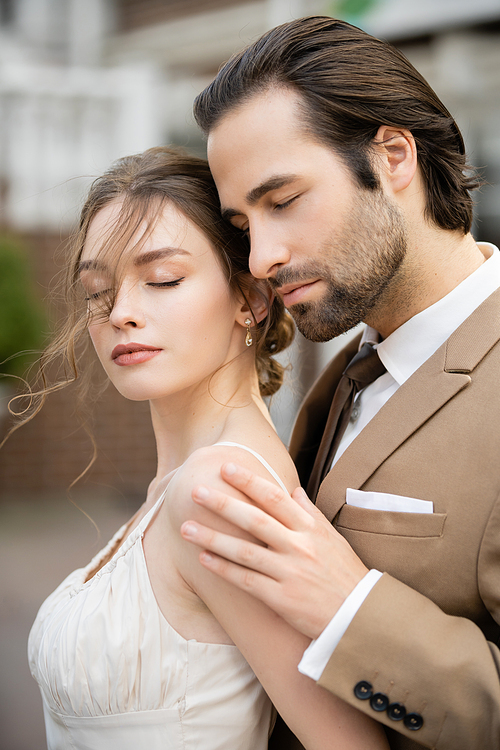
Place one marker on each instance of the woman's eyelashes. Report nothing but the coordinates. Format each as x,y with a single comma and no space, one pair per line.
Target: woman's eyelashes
161,284
156,284
95,286
97,295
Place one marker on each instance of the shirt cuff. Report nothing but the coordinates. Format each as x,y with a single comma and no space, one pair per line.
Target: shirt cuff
318,653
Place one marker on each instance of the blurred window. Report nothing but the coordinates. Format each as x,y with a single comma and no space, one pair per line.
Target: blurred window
6,12
135,13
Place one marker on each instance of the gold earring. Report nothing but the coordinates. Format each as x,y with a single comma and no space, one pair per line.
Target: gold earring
248,337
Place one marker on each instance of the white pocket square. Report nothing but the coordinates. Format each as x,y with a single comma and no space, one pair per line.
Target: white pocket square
384,501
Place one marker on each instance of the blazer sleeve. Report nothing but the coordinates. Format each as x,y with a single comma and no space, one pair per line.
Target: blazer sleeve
421,655
404,650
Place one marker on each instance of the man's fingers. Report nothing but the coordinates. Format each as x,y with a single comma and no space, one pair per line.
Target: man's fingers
244,515
272,499
235,549
256,584
301,498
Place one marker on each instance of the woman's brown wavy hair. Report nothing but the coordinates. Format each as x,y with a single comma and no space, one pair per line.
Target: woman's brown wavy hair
144,183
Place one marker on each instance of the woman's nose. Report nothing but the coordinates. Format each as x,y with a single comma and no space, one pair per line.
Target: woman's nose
127,309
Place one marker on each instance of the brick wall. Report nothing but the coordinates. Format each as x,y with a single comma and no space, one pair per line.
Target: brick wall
48,453
135,13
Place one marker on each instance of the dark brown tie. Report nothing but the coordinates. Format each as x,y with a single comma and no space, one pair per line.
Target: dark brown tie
363,369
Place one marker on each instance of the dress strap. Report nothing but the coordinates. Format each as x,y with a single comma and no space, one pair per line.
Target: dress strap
259,458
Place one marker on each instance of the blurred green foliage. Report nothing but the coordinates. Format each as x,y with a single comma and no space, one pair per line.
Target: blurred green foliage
22,319
350,10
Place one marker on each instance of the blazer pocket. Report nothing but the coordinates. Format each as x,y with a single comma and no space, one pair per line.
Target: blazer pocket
385,501
390,523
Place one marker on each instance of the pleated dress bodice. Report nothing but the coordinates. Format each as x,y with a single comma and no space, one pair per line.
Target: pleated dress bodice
114,674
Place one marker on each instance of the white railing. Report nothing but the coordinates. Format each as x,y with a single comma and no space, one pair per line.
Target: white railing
60,127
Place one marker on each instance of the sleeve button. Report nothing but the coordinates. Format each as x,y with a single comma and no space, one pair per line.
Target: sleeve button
396,711
413,721
363,690
379,701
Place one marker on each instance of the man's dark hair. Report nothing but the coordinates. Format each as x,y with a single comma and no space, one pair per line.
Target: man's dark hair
350,83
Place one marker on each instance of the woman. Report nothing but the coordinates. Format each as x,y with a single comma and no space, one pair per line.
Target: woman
144,648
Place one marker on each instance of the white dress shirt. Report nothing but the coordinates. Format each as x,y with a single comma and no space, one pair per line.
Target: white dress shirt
402,353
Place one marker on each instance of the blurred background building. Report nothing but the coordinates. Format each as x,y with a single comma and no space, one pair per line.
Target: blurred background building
83,82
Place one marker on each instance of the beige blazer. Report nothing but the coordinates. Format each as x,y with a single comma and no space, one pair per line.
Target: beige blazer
427,636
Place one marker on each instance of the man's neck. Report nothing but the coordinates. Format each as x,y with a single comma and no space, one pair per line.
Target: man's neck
437,261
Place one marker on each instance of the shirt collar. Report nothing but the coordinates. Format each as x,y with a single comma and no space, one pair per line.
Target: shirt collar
410,345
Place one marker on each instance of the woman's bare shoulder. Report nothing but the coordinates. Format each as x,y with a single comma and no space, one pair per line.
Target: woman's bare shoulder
270,460
203,468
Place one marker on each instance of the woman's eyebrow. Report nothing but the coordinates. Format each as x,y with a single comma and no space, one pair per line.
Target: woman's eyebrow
91,265
151,255
141,260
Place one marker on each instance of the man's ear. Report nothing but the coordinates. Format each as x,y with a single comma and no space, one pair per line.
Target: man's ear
397,156
257,302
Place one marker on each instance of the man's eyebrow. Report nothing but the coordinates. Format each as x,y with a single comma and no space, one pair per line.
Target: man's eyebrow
256,193
273,183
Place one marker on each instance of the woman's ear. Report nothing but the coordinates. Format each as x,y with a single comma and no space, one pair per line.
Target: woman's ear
397,157
256,303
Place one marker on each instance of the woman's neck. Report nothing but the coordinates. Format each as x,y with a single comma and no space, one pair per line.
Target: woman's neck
203,416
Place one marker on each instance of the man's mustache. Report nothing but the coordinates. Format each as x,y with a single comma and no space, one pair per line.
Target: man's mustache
300,275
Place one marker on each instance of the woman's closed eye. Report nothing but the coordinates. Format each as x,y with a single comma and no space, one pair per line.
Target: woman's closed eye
95,284
160,284
97,295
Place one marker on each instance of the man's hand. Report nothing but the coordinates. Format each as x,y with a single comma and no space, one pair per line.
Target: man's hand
305,571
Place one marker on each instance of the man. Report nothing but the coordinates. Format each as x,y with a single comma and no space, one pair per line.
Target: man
349,176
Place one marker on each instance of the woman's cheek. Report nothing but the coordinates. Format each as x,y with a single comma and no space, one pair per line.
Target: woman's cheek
96,336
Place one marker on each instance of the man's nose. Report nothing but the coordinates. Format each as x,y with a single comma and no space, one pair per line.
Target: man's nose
268,252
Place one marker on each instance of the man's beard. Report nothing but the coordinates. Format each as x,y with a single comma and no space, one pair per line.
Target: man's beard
357,268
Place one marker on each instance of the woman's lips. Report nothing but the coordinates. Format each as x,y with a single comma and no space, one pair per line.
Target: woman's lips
133,354
291,295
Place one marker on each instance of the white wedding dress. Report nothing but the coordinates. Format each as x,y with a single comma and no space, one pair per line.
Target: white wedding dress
114,675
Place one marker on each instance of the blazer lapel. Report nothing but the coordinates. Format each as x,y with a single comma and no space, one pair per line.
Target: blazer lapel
440,378
412,405
313,413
